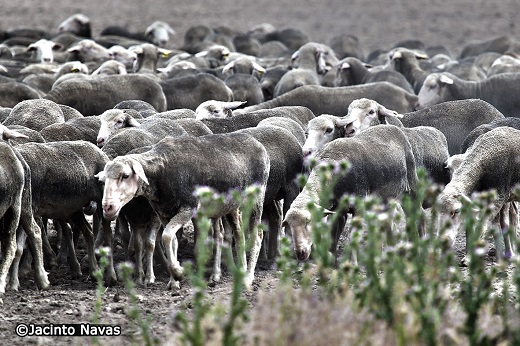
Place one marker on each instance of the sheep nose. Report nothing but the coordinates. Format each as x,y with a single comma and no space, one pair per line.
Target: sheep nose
417,105
307,152
100,142
301,254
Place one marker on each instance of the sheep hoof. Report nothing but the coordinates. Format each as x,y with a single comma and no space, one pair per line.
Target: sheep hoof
173,285
214,278
178,272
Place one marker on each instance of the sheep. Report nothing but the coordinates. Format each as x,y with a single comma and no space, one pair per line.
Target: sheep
406,62
286,123
345,45
95,95
184,158
504,64
269,80
159,33
16,92
147,56
125,56
35,114
368,165
352,71
500,44
291,37
335,101
62,184
189,92
85,129
142,107
12,186
44,50
442,87
88,51
43,82
489,164
245,88
481,129
246,44
308,63
118,119
78,24
455,119
216,109
429,144
285,156
110,67
216,55
301,115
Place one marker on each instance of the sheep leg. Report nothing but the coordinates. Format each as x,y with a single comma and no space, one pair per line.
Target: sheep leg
171,244
218,238
337,229
48,252
35,235
256,236
81,223
137,241
511,236
75,268
150,239
275,225
14,283
61,243
109,276
10,246
159,250
236,228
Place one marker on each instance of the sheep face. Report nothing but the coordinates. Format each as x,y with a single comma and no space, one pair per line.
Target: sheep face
159,33
431,92
111,121
89,50
320,131
362,113
298,222
449,206
44,50
121,177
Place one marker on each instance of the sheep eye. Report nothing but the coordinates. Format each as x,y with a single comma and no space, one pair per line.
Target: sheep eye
328,130
125,176
371,111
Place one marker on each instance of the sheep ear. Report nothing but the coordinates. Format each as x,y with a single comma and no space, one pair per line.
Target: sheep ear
130,120
57,46
258,68
397,55
101,176
201,54
445,79
164,53
12,134
31,47
383,112
228,67
234,104
138,170
421,56
344,66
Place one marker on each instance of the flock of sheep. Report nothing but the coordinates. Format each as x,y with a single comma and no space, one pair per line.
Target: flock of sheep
124,127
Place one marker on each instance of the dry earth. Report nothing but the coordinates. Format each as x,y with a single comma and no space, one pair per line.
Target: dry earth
378,24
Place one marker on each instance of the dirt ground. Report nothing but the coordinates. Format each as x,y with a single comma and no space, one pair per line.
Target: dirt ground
378,24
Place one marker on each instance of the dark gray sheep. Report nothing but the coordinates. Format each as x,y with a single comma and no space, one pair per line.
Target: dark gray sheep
270,78
455,119
190,91
345,45
245,88
286,123
368,164
285,155
184,160
335,101
500,44
143,107
62,184
94,95
481,129
489,164
352,71
497,90
13,187
16,92
291,37
85,129
35,114
301,115
407,63
308,63
77,24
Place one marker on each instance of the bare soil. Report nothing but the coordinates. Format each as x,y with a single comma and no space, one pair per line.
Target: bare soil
378,24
